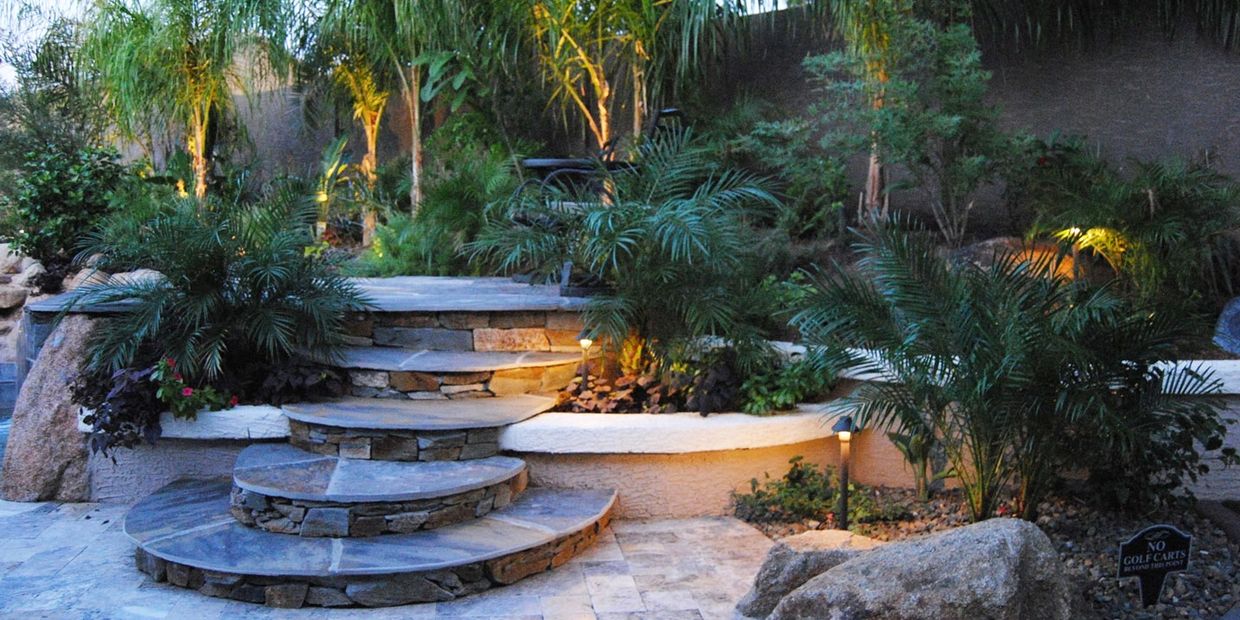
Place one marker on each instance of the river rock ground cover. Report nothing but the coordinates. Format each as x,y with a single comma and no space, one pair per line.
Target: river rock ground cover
1087,541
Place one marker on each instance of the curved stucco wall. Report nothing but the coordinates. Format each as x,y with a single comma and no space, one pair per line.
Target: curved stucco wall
701,483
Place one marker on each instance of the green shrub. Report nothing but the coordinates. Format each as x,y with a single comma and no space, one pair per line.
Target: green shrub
57,198
237,286
934,120
463,179
1165,227
812,185
782,387
1018,373
670,241
805,492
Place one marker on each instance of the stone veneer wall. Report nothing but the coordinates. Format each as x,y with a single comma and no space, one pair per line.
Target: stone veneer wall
395,445
400,384
467,331
357,519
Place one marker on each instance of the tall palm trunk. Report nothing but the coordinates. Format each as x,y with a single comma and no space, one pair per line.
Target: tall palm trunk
370,126
413,102
196,144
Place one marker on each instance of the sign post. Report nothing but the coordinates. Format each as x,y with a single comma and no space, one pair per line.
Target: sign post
1151,555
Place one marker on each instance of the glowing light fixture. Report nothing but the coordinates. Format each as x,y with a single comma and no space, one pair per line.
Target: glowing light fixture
843,429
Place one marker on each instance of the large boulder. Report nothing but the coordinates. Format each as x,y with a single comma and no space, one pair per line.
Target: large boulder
797,559
46,456
1000,569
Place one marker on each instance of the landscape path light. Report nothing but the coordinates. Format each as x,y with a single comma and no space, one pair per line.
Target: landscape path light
586,342
843,429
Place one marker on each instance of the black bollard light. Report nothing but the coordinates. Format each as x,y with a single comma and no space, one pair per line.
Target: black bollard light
844,428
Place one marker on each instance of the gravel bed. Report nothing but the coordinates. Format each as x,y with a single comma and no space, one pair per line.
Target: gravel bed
1088,543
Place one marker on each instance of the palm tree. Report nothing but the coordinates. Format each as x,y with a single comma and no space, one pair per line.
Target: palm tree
400,36
176,63
867,26
592,51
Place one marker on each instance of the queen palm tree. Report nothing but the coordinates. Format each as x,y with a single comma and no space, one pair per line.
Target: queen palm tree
400,36
177,63
592,51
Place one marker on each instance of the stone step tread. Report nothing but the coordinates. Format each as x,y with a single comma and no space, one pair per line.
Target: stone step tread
420,415
419,360
448,294
404,294
281,470
187,522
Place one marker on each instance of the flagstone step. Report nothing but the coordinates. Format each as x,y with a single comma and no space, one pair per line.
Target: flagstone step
400,374
280,488
184,535
408,430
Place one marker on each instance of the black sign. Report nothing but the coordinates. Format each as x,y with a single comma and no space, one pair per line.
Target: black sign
1150,555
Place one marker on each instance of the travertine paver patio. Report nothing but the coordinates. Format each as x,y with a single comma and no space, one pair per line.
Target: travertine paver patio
73,561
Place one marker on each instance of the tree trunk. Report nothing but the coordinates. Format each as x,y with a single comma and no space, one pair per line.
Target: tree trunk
874,203
414,103
370,127
604,118
197,147
639,101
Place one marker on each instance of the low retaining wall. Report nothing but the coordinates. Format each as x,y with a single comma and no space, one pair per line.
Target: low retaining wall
671,465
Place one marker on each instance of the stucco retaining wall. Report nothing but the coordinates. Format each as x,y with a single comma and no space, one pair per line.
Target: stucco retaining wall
139,472
701,483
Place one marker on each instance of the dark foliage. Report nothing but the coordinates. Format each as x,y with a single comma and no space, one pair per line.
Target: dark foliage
124,411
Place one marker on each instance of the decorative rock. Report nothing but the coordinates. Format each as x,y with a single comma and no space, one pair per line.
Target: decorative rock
369,378
999,568
797,559
28,275
428,338
333,522
565,321
12,296
463,320
509,320
396,590
413,382
520,339
459,389
516,381
465,378
327,597
46,457
286,595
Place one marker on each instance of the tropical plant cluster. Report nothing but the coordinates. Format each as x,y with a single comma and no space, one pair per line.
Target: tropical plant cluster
1015,373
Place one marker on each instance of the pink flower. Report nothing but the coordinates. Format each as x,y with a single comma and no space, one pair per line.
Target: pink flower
232,402
177,376
171,362
187,392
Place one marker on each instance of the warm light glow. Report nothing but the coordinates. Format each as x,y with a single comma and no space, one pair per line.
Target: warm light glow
844,435
1075,231
321,196
586,343
181,188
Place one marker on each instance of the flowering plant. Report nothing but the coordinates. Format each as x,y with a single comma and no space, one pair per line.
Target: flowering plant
182,399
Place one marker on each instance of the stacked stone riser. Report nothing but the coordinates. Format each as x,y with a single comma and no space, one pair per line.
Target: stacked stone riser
467,331
395,445
373,591
343,519
456,385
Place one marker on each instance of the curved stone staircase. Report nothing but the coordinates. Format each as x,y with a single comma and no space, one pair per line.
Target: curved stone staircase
396,494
